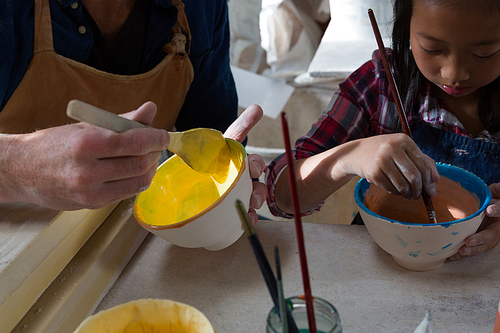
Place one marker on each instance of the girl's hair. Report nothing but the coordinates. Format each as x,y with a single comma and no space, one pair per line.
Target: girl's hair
409,78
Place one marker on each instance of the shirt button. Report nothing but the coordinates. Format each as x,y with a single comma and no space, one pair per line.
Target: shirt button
74,5
82,30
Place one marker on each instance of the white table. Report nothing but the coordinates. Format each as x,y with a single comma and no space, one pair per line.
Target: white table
370,291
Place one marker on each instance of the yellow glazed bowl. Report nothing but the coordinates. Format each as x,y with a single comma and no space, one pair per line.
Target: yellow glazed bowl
147,316
190,209
424,246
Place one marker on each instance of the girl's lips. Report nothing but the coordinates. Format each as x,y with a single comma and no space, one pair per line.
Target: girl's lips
454,91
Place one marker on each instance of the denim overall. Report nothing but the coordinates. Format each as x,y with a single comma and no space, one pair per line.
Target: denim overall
479,157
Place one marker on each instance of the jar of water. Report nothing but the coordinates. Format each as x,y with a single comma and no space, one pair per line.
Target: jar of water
326,316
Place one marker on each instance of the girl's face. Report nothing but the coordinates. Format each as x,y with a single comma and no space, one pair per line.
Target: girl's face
456,47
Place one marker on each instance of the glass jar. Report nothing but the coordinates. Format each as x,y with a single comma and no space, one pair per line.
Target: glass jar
327,317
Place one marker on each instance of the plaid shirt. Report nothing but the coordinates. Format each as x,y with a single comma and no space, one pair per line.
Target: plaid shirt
363,107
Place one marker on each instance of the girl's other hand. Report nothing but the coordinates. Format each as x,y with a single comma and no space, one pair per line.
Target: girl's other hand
488,234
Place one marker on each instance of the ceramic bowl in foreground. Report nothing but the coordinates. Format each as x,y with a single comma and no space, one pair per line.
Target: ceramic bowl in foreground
148,315
424,246
192,210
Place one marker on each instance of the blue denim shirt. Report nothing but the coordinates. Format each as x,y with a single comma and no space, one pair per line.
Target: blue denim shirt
211,101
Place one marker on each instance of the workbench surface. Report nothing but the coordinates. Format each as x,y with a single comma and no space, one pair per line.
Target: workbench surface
370,291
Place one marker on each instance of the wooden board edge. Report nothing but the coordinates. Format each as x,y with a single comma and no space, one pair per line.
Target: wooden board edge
25,279
77,291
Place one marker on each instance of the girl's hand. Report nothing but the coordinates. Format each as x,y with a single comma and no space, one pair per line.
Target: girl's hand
488,234
238,131
394,163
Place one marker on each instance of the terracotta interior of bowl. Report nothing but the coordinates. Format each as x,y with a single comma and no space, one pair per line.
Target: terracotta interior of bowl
178,192
466,179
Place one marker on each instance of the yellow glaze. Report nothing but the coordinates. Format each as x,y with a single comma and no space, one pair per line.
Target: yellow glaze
147,316
205,150
179,192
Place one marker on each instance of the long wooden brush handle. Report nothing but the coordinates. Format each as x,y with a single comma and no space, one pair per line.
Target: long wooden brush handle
399,106
298,226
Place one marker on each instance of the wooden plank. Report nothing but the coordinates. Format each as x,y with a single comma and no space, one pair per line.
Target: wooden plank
35,245
77,291
20,224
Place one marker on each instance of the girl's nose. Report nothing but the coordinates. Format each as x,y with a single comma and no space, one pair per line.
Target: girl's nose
454,70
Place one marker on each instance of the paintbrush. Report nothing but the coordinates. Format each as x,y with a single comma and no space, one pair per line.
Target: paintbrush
281,296
399,106
264,266
298,226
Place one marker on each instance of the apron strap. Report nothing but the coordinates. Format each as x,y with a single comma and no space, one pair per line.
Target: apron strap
43,27
182,22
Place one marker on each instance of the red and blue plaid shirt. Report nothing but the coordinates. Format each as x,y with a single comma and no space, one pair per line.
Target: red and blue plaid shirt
363,107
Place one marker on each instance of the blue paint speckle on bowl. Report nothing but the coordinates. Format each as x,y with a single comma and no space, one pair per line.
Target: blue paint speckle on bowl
447,246
401,241
436,253
454,233
414,254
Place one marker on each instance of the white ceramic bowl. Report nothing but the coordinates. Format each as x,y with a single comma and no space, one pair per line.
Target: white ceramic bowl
158,315
425,246
215,227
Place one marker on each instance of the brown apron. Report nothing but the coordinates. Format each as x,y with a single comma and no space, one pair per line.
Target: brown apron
51,81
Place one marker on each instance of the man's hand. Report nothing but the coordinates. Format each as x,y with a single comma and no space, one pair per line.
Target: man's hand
238,131
80,165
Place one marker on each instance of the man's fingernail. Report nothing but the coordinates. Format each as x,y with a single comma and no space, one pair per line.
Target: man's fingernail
257,166
258,199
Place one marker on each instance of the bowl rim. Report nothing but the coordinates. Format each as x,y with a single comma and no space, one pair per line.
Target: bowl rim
160,302
439,165
182,223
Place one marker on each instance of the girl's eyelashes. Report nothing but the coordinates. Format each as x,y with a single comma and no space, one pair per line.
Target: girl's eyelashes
488,56
430,51
477,55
